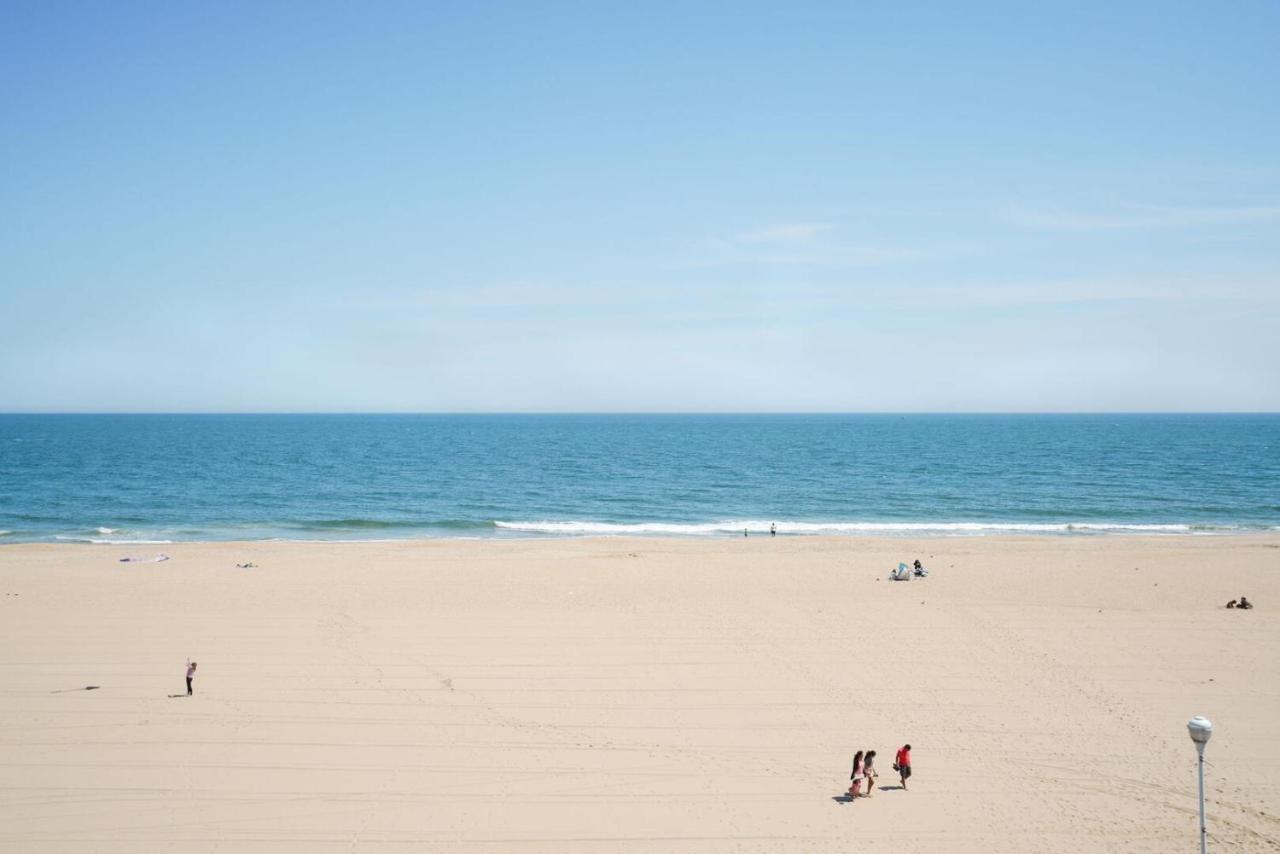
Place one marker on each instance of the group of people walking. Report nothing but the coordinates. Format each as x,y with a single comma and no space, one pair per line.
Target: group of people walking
864,771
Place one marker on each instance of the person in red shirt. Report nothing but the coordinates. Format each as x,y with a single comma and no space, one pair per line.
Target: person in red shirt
902,763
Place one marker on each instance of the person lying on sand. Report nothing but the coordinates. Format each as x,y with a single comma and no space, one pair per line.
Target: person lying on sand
1231,604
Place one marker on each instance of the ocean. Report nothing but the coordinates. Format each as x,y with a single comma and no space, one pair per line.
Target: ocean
166,478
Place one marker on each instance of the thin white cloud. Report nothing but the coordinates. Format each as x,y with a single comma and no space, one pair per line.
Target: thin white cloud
1256,289
1135,217
800,244
510,294
785,233
1170,289
822,256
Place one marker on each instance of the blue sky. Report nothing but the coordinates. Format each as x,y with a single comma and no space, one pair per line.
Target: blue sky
684,207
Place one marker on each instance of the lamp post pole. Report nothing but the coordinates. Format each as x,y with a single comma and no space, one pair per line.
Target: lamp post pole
1201,729
1204,841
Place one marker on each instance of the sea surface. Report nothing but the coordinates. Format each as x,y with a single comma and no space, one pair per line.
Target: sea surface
164,478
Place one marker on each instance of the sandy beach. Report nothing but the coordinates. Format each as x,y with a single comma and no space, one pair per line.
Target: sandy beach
638,695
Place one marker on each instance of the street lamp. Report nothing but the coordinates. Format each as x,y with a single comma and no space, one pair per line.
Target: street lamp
1201,728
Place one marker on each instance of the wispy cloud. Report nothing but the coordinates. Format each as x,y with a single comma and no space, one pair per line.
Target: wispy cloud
814,244
516,294
1261,289
1168,289
1133,217
785,233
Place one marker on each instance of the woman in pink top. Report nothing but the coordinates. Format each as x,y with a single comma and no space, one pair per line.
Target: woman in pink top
855,786
191,674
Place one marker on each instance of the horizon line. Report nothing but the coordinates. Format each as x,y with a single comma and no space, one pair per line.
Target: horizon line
632,413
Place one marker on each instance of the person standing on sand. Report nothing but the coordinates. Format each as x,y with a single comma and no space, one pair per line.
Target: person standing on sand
773,529
191,674
855,779
869,771
902,764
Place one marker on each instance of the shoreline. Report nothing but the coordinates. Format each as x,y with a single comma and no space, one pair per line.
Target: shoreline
1050,537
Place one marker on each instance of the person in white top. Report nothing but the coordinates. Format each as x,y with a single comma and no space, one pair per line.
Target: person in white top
191,674
869,771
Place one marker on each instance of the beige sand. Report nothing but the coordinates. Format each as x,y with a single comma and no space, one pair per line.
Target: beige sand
638,695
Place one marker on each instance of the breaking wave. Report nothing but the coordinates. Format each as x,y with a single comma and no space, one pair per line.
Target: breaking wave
756,526
101,541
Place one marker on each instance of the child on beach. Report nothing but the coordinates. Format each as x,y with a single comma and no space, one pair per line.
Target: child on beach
855,784
191,674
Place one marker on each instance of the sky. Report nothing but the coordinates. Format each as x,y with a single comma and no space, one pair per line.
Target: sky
748,207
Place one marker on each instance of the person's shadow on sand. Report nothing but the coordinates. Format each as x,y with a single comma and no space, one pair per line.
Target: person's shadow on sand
846,798
175,696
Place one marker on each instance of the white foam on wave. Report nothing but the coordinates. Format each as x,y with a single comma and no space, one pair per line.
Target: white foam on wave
737,526
106,530
548,527
105,542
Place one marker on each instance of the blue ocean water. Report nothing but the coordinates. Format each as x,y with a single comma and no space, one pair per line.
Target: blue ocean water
140,478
